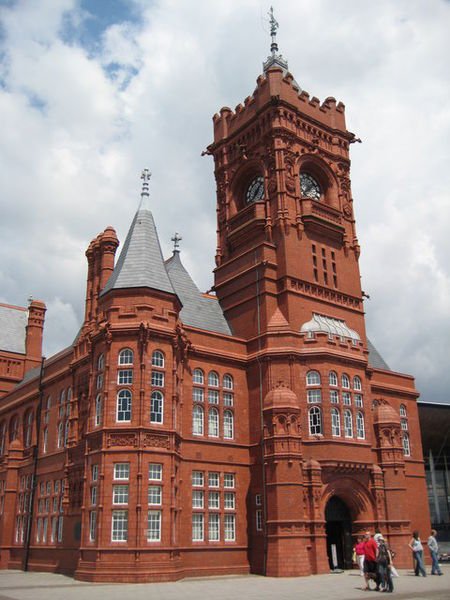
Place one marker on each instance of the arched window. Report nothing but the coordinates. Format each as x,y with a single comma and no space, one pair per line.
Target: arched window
315,421
100,362
228,382
360,430
66,433
124,405
403,410
28,433
197,420
158,359
126,356
335,422
333,378
14,429
357,385
2,438
312,378
60,441
198,376
348,423
228,425
69,394
345,381
156,407
213,379
45,440
213,422
406,445
98,410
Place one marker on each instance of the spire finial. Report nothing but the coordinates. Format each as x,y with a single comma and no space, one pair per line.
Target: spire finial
274,25
145,176
176,239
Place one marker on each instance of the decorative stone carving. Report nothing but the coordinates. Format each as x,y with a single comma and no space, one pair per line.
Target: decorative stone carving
122,439
156,440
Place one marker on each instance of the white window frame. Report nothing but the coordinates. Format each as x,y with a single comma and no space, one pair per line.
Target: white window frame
198,499
198,420
315,421
228,424
314,396
334,396
126,356
313,378
154,518
121,471
198,394
229,501
158,359
229,481
214,527
119,526
124,406
198,527
335,422
333,380
154,495
157,378
124,376
360,426
157,407
348,424
198,478
229,528
214,500
213,422
227,382
198,377
155,471
120,495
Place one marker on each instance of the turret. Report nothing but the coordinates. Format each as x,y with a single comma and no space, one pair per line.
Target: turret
34,334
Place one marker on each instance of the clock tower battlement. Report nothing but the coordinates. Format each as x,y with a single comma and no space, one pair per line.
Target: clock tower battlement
286,238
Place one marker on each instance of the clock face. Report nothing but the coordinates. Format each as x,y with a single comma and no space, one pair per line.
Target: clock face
255,190
309,187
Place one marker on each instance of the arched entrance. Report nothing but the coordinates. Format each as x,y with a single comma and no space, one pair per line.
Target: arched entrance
338,529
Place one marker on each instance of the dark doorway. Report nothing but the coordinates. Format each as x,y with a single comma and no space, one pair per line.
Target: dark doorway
339,533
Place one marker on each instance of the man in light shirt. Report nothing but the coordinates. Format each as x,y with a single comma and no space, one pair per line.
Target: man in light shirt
434,549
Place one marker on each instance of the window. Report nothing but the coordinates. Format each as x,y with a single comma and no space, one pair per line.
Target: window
157,379
122,471
60,528
158,359
92,525
228,399
198,394
120,494
213,396
100,362
314,396
125,376
214,527
155,472
198,376
346,398
227,382
2,438
156,408
357,383
54,532
404,424
345,381
66,433
312,378
335,422
126,357
228,480
60,441
94,495
28,429
94,475
44,440
197,527
315,421
334,397
98,410
360,431
213,480
197,420
229,502
406,445
119,530
14,429
213,422
358,400
213,379
258,499
56,486
228,425
124,405
198,478
154,494
213,500
154,526
230,528
99,381
403,410
348,424
38,529
198,499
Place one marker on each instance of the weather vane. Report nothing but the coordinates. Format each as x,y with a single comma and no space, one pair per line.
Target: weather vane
176,239
145,176
274,25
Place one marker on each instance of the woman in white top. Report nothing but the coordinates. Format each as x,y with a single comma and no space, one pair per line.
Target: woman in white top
417,549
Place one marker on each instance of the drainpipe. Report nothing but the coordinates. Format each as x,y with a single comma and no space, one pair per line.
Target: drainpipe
35,465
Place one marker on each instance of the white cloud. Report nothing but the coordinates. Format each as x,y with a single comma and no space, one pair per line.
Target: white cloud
79,123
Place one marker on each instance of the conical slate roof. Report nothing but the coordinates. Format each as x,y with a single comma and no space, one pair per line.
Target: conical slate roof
141,263
198,310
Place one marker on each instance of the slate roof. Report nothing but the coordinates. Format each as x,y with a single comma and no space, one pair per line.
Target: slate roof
13,322
198,310
375,358
140,263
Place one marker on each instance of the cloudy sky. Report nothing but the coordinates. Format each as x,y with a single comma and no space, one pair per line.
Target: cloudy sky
92,91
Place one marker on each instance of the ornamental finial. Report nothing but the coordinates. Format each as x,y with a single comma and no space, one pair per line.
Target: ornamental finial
145,176
274,25
176,239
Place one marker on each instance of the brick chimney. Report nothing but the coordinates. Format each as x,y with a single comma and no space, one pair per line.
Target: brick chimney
34,334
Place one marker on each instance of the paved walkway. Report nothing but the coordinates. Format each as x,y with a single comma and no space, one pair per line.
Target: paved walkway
345,586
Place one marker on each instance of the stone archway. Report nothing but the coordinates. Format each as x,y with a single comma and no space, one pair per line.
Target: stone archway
338,529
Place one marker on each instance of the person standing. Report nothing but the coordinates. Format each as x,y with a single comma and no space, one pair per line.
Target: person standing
359,551
384,563
417,549
370,561
434,550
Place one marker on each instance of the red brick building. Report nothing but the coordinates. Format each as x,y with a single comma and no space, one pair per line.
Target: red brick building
248,431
